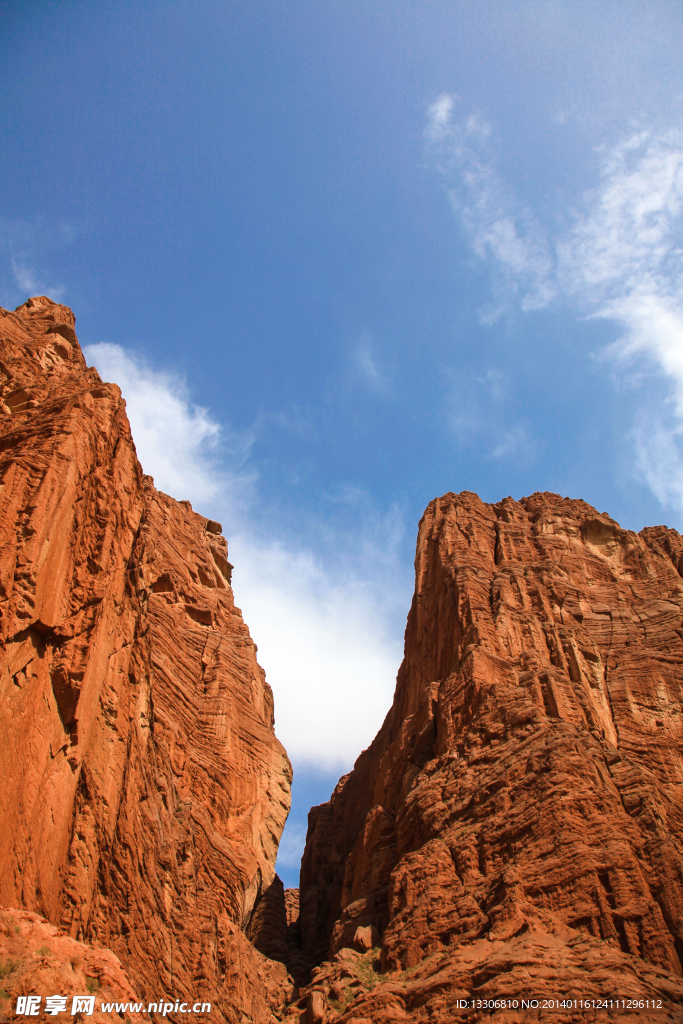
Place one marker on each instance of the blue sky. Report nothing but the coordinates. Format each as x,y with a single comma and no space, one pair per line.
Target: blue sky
345,256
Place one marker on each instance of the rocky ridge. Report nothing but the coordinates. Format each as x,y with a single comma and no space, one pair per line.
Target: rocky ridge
144,789
515,830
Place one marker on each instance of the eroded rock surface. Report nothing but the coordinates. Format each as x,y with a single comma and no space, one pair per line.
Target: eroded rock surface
515,830
144,791
37,958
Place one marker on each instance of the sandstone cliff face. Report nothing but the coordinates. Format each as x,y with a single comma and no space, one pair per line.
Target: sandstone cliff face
516,828
144,791
515,831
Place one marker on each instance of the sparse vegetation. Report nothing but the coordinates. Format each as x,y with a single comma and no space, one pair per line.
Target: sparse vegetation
93,984
7,967
44,951
340,1004
368,968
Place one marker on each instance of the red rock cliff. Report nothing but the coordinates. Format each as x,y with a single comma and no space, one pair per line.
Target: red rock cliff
516,828
144,791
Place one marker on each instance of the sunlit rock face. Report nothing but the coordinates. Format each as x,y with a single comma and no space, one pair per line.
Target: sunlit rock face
38,958
144,791
514,831
516,827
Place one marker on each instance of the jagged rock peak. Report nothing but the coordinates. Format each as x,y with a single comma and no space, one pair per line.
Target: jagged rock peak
516,827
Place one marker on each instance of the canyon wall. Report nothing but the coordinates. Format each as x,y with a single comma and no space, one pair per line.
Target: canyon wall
144,791
515,830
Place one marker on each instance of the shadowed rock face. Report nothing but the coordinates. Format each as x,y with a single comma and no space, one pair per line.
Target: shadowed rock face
516,827
144,791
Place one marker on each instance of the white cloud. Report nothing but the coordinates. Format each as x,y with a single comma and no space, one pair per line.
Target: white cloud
324,623
621,258
178,443
627,239
623,261
325,640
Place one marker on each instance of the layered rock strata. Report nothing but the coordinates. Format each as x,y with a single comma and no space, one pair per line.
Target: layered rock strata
144,791
515,830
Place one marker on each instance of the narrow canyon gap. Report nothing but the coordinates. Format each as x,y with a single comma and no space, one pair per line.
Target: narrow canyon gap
514,831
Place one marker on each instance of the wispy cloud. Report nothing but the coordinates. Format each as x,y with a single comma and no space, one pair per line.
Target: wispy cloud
372,375
29,283
497,225
324,619
480,413
620,258
23,245
625,238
